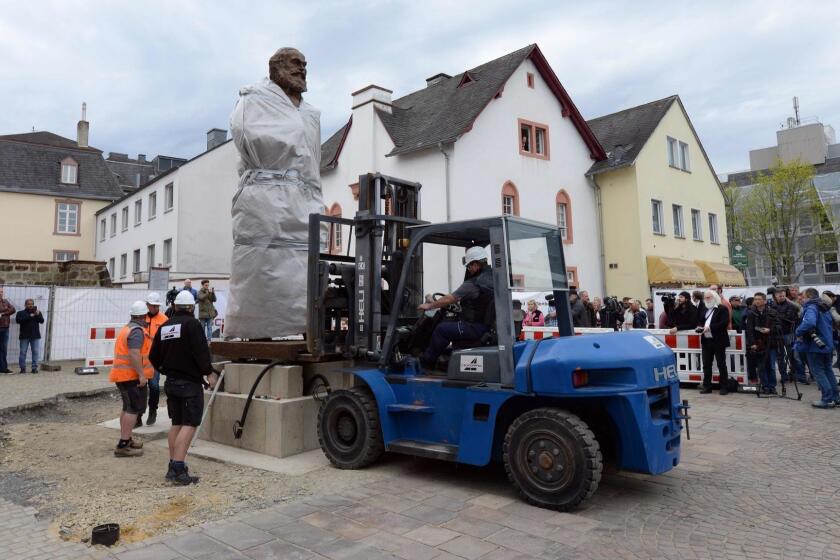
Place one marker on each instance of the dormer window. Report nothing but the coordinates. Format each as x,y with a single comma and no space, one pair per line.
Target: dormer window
69,171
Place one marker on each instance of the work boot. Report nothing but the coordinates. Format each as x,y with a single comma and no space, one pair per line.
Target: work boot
134,444
151,418
170,472
127,451
183,478
724,391
139,423
705,390
822,404
34,371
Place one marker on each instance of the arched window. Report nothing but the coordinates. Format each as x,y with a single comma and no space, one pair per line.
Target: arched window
563,208
335,230
510,199
69,171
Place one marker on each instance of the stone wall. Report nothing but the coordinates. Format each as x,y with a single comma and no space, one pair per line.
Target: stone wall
50,273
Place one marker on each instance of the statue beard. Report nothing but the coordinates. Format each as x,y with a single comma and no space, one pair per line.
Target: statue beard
289,83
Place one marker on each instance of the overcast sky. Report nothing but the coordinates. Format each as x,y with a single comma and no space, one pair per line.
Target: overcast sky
157,75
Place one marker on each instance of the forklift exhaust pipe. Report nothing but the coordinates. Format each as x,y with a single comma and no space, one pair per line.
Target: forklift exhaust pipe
239,425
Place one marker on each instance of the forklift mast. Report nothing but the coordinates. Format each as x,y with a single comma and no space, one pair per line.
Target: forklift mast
351,296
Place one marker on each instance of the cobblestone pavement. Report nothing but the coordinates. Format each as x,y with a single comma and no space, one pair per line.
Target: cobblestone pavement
25,390
759,479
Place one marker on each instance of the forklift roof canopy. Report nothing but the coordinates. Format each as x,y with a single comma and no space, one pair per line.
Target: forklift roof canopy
466,233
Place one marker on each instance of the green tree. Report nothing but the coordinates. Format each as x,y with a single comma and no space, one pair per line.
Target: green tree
769,217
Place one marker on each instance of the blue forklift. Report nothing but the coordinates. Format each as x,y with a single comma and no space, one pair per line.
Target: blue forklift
551,410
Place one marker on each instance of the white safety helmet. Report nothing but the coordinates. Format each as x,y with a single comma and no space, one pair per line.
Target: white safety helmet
138,308
184,298
475,254
153,298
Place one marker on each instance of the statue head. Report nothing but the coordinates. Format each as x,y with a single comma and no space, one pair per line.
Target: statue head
287,69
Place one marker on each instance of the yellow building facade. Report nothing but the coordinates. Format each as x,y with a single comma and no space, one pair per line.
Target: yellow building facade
41,228
663,210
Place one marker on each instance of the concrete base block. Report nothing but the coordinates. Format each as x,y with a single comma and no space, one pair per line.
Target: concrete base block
280,381
279,428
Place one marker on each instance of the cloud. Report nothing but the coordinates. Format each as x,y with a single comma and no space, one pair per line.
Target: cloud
157,75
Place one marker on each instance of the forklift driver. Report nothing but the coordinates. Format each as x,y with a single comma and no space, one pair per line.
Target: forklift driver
475,296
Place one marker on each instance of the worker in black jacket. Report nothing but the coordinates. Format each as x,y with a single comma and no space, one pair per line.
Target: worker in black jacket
180,352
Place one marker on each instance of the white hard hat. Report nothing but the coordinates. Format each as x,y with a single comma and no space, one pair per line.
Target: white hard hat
138,308
153,298
184,298
475,254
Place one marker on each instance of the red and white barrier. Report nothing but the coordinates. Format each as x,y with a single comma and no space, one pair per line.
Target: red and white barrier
686,346
99,350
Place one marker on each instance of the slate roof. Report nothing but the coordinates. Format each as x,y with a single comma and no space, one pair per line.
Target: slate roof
31,163
443,111
624,134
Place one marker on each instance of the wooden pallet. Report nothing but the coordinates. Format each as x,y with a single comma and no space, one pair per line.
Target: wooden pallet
286,350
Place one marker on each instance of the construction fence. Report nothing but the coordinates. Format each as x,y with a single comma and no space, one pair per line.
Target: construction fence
69,314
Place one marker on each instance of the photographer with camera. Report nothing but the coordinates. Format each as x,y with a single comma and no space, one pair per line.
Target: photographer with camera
759,326
684,315
814,337
787,315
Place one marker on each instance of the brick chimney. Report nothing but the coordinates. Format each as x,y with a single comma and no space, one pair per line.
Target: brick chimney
83,129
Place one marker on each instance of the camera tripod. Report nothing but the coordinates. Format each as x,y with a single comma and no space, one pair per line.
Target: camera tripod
790,369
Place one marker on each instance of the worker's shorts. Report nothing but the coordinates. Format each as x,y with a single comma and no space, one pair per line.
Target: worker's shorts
133,397
184,401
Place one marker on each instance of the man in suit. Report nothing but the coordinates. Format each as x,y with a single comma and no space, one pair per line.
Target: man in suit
712,324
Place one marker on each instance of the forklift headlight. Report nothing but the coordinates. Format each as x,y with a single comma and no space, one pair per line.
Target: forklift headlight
580,378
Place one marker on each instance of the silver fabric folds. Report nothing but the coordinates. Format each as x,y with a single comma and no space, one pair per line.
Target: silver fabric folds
279,186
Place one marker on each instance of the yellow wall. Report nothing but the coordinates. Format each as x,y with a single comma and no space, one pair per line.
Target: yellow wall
652,178
29,223
622,238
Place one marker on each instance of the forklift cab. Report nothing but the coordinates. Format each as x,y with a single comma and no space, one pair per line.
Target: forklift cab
523,255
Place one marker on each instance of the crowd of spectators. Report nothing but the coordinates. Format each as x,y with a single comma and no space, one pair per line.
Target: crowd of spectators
789,334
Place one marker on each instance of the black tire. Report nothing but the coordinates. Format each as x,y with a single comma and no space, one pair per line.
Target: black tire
553,459
348,428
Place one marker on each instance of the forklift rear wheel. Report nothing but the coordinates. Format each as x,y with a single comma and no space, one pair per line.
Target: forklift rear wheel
348,428
553,459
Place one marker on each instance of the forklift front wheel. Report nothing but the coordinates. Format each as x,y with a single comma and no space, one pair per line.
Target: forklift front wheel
348,428
553,459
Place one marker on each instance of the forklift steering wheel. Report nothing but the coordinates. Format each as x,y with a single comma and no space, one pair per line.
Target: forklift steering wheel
452,307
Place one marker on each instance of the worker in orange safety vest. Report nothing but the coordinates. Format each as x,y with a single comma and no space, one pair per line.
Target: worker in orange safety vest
131,372
154,319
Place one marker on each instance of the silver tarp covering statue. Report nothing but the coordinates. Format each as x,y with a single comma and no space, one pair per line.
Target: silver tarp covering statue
278,136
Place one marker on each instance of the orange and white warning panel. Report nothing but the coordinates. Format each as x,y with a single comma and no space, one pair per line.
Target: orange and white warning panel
686,346
99,350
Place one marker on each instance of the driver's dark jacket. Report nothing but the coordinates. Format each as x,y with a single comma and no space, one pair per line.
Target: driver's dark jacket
476,296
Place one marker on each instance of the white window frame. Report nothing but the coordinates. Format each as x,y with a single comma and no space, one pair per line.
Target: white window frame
834,263
685,158
135,261
69,173
112,267
562,221
74,256
673,154
113,224
508,200
167,251
679,224
124,218
138,211
713,229
169,197
103,229
123,264
152,205
809,261
657,219
150,256
539,143
68,211
696,225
